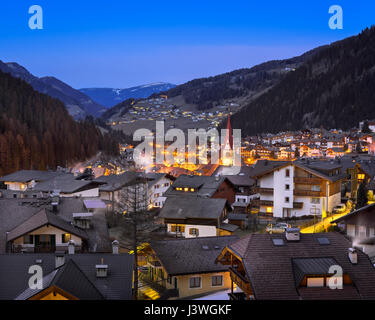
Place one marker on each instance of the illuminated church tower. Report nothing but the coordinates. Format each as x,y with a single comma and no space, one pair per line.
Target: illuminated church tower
227,151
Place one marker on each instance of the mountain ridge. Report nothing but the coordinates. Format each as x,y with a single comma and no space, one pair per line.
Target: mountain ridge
110,97
77,103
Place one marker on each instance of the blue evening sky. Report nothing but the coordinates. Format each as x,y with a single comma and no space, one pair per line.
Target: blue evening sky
126,43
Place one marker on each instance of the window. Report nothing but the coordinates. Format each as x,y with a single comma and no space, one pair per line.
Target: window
28,239
194,231
66,237
217,281
269,209
178,228
315,188
287,173
315,282
360,176
362,231
287,187
287,199
195,282
315,200
166,184
179,189
186,189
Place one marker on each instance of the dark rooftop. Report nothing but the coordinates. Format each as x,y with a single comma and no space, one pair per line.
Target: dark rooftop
189,256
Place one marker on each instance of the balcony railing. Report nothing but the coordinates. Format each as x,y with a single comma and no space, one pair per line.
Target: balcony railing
257,202
307,193
306,180
263,190
240,280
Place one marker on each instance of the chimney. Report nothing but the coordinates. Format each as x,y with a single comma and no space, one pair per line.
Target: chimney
353,256
101,270
71,245
59,259
115,246
292,234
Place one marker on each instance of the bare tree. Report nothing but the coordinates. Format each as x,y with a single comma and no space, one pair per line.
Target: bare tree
136,220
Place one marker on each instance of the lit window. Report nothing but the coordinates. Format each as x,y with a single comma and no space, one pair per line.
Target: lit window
361,176
192,189
186,189
269,209
315,282
66,237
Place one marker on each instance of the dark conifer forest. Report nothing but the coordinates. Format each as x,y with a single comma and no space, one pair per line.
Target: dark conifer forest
36,131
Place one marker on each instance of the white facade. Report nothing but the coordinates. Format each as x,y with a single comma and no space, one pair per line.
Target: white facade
283,198
157,190
203,231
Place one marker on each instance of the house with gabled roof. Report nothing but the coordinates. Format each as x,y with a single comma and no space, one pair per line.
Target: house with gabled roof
74,276
298,188
295,266
45,232
191,217
187,266
202,186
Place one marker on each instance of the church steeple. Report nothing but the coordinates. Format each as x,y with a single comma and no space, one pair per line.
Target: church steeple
229,137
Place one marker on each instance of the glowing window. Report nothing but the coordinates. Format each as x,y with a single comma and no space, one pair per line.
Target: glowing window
192,189
360,176
186,189
315,282
269,209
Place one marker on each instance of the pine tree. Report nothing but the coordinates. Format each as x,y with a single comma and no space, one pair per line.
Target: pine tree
361,196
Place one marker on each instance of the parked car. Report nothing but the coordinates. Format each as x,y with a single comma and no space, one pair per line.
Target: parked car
278,227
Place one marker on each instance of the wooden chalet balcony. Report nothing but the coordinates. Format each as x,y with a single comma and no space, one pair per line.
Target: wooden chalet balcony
307,193
263,190
240,280
305,180
267,203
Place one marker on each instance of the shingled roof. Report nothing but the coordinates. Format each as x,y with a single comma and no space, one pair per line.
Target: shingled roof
70,278
191,255
29,175
271,268
203,208
77,277
41,219
205,186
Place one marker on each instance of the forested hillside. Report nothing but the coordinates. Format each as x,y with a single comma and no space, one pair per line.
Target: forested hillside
334,89
36,131
206,93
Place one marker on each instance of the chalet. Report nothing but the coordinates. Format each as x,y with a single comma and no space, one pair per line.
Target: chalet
45,232
26,179
91,276
294,266
335,152
113,186
196,217
30,225
68,185
298,188
202,186
187,267
359,226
